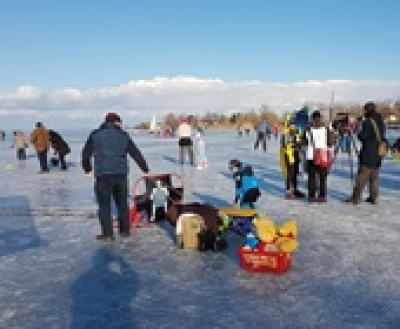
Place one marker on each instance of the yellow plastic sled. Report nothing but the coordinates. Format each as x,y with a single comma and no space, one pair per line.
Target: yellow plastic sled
237,212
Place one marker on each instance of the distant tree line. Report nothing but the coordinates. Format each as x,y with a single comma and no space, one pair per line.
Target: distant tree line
385,108
217,120
254,117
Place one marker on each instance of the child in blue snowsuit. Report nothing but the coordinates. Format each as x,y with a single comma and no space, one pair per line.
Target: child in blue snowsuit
247,189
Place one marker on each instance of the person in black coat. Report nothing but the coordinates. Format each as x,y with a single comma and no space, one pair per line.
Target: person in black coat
396,146
60,146
369,160
109,146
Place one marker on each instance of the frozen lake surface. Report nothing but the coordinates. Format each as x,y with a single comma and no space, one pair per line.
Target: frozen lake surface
54,274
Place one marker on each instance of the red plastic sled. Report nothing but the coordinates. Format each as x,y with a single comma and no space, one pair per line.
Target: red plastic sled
141,203
257,261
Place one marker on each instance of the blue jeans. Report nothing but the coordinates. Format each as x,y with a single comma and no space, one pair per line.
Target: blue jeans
106,188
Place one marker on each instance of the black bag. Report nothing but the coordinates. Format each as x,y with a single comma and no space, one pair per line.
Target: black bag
208,240
383,145
160,214
54,161
220,243
185,141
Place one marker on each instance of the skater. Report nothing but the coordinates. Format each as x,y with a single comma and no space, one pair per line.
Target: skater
201,152
40,138
263,131
109,146
185,141
291,146
275,131
372,131
60,146
247,189
396,147
318,139
20,144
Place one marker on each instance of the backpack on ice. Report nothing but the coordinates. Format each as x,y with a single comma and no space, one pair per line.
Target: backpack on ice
188,228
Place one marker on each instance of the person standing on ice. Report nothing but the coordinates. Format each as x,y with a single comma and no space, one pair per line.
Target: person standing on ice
372,131
185,141
40,138
291,144
263,131
201,152
20,144
317,137
109,145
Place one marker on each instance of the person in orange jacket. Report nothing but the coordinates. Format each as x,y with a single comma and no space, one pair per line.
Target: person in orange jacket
40,138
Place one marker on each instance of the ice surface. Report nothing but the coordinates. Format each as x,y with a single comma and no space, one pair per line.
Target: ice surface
53,274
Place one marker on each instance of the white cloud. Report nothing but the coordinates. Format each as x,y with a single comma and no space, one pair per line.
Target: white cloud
182,94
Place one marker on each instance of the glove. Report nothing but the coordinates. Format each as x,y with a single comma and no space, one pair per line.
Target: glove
89,174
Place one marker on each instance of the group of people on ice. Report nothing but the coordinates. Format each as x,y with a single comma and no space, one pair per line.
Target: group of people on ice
318,139
42,140
306,146
110,144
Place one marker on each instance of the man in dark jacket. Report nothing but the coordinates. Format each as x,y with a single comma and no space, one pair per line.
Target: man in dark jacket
369,160
60,146
109,146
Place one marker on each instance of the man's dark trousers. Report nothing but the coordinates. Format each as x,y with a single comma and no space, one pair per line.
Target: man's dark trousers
43,161
370,176
106,188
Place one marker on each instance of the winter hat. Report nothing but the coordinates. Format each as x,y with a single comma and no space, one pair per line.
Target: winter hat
185,120
113,117
235,163
370,107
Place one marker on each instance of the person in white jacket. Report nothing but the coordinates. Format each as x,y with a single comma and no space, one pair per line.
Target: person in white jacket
20,143
317,137
185,141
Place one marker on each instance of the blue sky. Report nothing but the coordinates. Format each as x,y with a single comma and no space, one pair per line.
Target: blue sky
93,43
98,45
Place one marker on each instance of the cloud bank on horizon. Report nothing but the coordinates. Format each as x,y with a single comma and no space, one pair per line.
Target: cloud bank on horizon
140,99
